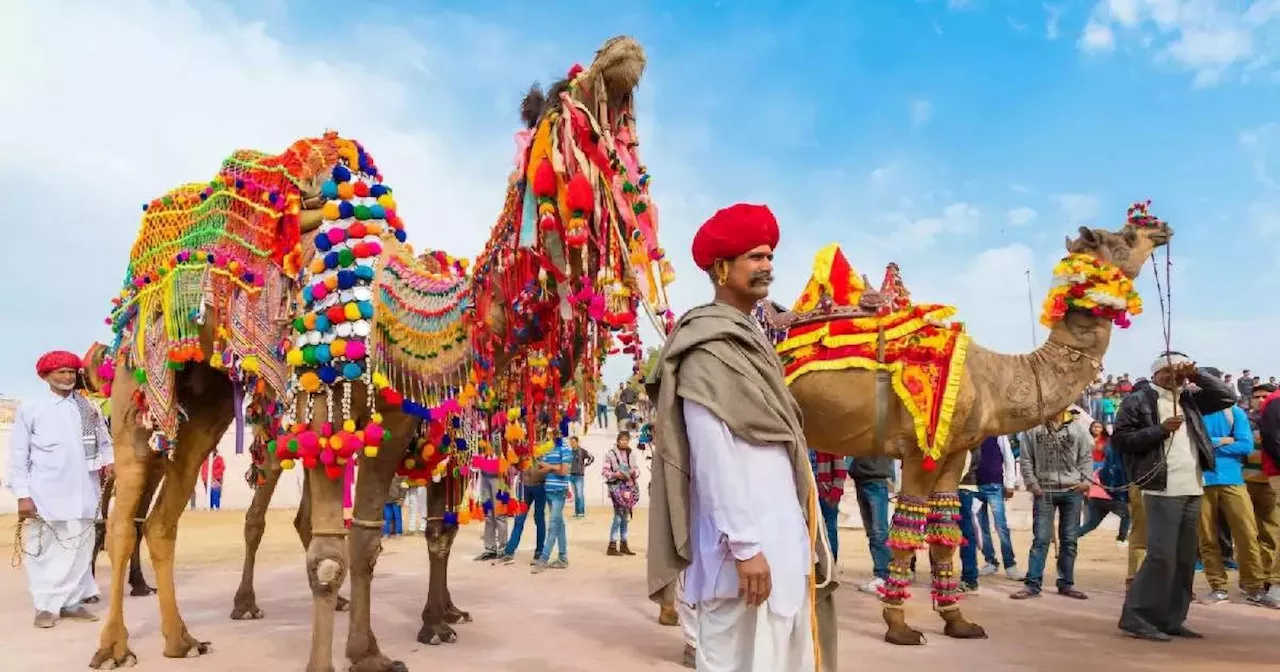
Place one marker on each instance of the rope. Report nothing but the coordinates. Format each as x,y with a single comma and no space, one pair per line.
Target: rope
73,543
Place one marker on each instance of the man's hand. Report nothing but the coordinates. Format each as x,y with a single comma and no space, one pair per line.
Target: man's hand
1037,491
1082,487
26,508
754,580
1171,424
1008,493
108,471
1226,441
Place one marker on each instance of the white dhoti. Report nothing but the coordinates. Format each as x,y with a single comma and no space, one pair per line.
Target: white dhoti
58,557
733,637
688,615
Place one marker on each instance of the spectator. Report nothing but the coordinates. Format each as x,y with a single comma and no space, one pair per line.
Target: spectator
1124,387
1094,394
1108,407
871,477
968,494
1226,378
534,495
495,522
1161,437
556,462
218,466
996,474
602,408
622,475
1109,386
1266,513
1226,499
577,476
392,523
1245,385
1056,462
1110,494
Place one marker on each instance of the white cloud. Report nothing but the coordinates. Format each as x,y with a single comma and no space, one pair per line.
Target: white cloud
1053,17
1020,216
1209,38
1265,218
1257,143
920,111
1020,189
1078,208
1097,37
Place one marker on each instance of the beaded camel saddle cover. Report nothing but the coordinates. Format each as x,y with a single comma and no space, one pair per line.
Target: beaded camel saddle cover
839,323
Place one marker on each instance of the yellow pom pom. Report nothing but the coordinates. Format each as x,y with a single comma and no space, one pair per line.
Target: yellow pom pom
216,360
330,210
294,358
376,418
286,464
370,451
409,463
348,425
250,364
386,201
380,381
351,311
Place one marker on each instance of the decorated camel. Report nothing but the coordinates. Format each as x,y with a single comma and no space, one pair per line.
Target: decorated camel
285,280
876,374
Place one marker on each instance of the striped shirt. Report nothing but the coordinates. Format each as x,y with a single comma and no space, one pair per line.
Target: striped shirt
560,454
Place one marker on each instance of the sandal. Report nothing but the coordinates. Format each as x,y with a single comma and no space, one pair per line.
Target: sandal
1073,594
1025,594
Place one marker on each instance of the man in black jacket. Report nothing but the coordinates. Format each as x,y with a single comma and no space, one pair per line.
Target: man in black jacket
1161,438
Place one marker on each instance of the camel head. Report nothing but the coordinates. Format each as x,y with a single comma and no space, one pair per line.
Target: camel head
1131,246
311,163
610,81
97,377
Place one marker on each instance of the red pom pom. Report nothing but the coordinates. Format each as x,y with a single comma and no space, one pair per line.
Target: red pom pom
544,180
575,71
580,196
929,463
336,314
361,189
356,230
391,397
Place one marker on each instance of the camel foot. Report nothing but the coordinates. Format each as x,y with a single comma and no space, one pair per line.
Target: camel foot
378,663
142,590
667,615
249,612
959,628
434,634
186,647
92,600
343,604
899,632
106,659
453,614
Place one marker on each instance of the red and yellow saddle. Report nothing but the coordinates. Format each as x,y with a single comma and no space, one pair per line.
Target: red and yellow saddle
923,353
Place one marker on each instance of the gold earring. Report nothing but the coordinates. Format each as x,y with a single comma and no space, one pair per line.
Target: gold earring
722,274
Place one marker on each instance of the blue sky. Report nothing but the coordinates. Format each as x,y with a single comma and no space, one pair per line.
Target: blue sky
962,139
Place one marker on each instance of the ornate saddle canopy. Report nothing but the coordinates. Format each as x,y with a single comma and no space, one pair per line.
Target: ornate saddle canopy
836,292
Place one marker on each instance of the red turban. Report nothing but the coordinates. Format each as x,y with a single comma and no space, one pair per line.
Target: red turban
734,231
57,359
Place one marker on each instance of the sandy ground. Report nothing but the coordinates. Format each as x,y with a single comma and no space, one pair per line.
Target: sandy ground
595,614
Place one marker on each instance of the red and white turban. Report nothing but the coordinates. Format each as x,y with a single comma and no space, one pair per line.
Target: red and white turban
56,359
732,232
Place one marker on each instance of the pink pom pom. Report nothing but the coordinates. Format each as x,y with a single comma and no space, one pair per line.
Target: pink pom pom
327,457
319,291
337,235
307,442
106,371
375,248
355,350
373,435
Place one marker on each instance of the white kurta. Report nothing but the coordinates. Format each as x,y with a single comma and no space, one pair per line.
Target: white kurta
743,502
49,465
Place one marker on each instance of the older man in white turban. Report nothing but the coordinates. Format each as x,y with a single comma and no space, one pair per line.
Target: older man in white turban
1161,437
59,451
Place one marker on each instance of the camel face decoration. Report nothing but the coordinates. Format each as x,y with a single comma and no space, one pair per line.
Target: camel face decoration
574,258
903,382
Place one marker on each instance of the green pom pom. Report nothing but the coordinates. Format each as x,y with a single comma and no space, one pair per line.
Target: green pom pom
271,447
362,212
140,376
346,257
639,207
298,325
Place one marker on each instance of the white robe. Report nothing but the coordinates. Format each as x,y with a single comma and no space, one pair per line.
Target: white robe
743,502
49,465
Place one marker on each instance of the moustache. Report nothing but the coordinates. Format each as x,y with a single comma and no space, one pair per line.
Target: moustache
762,279
65,387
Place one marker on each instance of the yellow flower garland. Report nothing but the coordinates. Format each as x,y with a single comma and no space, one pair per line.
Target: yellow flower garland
1084,282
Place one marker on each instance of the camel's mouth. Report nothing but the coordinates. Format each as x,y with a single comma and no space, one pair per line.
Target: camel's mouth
620,64
1161,236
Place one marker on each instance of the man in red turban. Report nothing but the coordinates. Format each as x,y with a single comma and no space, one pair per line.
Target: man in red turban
733,503
61,451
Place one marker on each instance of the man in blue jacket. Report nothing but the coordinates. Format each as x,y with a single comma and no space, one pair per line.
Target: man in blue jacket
1226,499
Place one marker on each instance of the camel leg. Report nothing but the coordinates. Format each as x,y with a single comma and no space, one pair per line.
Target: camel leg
944,537
131,474
137,582
302,525
245,603
196,438
907,534
372,482
326,564
100,526
439,611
